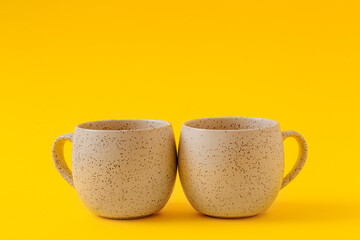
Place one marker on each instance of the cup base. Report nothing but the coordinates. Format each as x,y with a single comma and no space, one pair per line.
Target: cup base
125,218
231,217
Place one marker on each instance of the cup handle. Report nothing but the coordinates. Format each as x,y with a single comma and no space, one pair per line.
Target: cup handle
58,157
303,151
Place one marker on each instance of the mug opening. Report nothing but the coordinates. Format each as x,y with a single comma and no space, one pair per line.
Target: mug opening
231,123
123,125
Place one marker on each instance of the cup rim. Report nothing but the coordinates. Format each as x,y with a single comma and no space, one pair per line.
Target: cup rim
167,124
274,124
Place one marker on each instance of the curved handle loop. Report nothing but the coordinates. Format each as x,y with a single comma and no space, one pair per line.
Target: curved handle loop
303,150
58,157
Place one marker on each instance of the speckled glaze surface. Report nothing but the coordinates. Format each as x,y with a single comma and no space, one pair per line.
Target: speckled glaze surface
232,167
121,169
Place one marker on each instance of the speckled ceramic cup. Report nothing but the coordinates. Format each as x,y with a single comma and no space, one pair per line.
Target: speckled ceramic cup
121,169
232,167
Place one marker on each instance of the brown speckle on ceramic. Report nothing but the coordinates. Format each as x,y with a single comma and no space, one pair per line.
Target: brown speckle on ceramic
233,167
124,168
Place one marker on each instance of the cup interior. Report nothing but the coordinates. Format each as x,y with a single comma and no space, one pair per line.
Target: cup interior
123,125
231,123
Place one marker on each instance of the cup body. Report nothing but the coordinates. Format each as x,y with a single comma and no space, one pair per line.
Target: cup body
124,169
231,167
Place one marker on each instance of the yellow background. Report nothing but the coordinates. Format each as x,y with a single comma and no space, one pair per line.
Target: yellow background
67,62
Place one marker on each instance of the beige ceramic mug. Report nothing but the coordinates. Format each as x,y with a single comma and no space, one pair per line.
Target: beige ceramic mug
121,169
233,167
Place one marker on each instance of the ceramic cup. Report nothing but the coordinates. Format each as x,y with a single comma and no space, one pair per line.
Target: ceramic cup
121,169
232,167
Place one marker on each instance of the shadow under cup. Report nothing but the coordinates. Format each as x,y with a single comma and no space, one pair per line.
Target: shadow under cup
121,169
233,167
